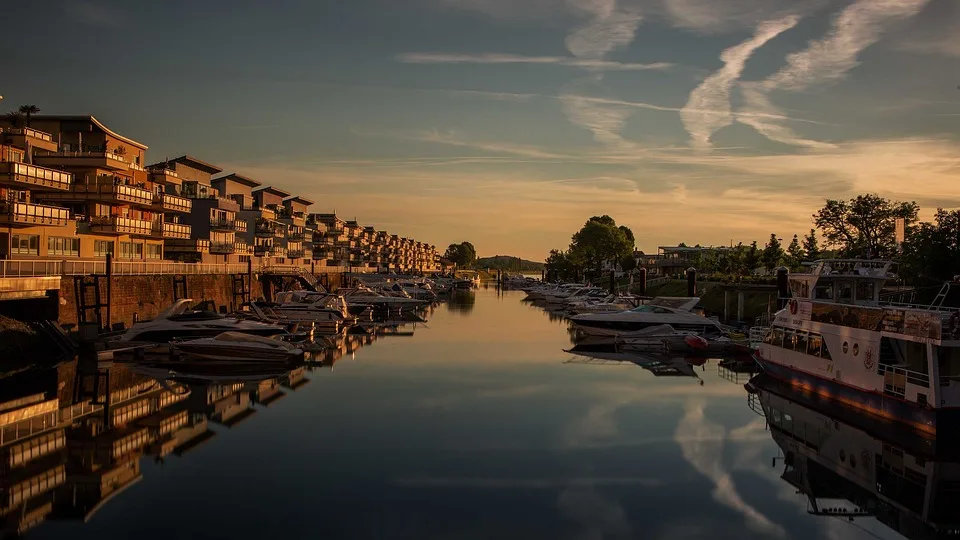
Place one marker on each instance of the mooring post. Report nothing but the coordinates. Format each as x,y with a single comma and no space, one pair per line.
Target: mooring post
249,296
109,290
691,281
726,306
613,282
739,306
783,287
642,281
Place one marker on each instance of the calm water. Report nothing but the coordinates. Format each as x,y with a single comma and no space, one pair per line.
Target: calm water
476,426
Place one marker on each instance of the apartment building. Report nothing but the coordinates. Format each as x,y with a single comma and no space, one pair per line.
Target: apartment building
32,229
293,213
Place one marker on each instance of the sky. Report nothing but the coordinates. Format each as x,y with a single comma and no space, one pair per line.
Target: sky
509,123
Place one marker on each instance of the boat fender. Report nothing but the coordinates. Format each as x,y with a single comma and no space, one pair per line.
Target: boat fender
695,342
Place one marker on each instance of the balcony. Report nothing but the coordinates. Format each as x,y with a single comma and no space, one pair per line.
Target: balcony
205,193
320,254
33,177
293,218
262,250
277,251
296,253
120,225
186,246
172,230
267,228
222,248
240,225
296,236
38,139
84,159
33,214
223,224
172,203
105,192
241,248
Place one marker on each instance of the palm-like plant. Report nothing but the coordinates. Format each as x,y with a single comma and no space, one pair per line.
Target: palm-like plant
14,118
28,111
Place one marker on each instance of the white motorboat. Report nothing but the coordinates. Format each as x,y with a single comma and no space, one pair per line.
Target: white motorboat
416,290
659,311
364,296
239,347
182,321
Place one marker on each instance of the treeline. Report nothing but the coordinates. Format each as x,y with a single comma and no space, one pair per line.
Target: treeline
865,226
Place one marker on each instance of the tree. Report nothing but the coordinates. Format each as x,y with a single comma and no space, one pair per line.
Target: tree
772,255
28,111
865,225
560,266
810,246
751,259
462,254
628,263
15,119
795,253
932,251
600,241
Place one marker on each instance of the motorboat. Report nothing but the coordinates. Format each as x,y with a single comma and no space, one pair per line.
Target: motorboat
674,311
835,337
562,294
180,320
542,291
416,290
322,320
364,296
239,347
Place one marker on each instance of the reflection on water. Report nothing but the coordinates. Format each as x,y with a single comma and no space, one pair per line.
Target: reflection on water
462,301
478,425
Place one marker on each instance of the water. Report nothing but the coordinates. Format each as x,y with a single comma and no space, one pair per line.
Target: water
477,426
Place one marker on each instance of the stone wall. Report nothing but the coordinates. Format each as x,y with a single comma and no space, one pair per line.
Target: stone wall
144,297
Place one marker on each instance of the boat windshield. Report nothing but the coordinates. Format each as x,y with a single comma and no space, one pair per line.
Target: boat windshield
651,309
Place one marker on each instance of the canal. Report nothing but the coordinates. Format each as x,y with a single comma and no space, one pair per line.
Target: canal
478,425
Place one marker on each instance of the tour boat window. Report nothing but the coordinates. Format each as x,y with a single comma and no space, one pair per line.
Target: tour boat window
948,360
777,337
865,290
814,344
844,292
823,292
824,351
800,342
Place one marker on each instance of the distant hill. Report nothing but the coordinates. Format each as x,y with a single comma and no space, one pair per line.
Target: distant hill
508,263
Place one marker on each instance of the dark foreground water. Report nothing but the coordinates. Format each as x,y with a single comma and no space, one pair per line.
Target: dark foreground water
476,426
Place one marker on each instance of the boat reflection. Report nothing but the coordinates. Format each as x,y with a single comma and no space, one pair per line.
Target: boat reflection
660,365
72,436
851,465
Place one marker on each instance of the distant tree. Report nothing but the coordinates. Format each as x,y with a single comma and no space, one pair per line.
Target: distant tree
864,225
559,265
772,255
751,259
629,234
811,247
599,241
15,119
795,254
28,111
931,252
462,254
628,263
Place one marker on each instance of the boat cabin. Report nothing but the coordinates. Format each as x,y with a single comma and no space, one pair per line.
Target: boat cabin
843,281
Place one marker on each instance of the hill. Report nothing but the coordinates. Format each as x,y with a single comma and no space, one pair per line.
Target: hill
508,263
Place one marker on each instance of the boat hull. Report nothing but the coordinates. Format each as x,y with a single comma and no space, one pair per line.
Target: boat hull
917,416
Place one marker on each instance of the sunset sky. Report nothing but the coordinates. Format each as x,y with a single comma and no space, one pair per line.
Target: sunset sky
510,122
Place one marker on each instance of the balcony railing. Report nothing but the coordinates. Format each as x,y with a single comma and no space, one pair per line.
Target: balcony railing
109,158
295,253
240,225
105,191
120,225
278,251
173,203
296,237
222,248
186,246
34,214
34,177
223,224
172,230
28,132
241,248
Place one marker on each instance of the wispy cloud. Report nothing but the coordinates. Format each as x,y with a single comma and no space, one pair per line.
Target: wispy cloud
701,443
491,58
609,28
824,61
708,109
713,16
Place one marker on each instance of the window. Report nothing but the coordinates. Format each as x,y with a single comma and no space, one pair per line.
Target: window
67,247
800,342
154,251
864,290
25,244
845,290
102,247
102,210
823,292
131,250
